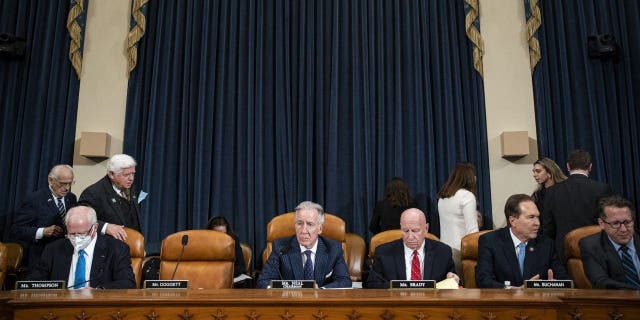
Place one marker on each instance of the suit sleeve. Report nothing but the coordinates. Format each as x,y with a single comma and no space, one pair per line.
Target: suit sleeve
88,198
121,273
377,277
559,270
23,227
271,269
595,267
43,269
485,273
340,273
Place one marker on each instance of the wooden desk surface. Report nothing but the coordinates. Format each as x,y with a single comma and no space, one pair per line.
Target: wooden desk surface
321,304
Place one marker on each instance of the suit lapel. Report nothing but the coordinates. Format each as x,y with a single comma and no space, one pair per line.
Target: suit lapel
509,253
320,266
66,259
427,270
295,259
113,199
98,261
401,272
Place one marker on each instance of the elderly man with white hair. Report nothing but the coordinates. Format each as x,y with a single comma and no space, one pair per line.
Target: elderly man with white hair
113,199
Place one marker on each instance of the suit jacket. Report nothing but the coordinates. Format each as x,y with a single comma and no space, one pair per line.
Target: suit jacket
389,264
110,207
110,267
571,204
601,262
39,210
497,261
285,263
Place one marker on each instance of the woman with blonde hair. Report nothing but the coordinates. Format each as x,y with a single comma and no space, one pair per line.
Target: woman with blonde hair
546,173
457,208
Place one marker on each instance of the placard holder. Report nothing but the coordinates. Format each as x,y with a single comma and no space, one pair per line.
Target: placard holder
292,284
548,284
41,285
166,284
412,284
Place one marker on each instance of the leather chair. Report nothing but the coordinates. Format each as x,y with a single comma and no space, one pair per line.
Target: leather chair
13,271
207,261
284,226
3,263
247,254
572,253
356,250
388,236
135,240
469,257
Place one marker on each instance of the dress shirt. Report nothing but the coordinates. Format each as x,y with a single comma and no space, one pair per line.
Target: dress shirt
408,257
632,252
313,255
516,242
88,258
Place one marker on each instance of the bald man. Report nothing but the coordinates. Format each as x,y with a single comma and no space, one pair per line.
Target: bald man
39,219
413,257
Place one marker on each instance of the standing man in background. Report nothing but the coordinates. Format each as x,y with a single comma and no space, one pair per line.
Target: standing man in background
113,199
39,219
572,203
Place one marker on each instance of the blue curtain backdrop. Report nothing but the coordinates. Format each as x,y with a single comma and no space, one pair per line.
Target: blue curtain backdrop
246,108
38,100
589,103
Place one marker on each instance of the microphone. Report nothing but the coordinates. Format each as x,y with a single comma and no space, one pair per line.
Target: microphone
281,253
185,240
89,280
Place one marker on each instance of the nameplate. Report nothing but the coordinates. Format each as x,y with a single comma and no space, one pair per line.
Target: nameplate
548,284
412,284
40,285
166,284
293,284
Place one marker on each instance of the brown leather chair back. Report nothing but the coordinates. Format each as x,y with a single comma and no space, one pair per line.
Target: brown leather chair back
3,263
247,254
388,236
284,226
14,256
469,257
207,261
572,253
135,240
356,250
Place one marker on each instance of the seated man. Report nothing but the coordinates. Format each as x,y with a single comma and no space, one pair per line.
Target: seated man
516,253
610,258
307,256
86,258
413,257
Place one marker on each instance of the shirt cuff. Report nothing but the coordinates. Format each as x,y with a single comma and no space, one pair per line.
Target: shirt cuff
104,228
39,233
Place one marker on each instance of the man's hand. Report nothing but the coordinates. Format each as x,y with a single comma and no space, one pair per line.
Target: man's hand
116,231
453,275
52,231
549,274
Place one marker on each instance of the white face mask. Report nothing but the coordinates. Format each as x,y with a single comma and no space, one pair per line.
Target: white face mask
80,241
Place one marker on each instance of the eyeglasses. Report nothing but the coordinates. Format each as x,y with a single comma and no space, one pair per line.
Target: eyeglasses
65,184
617,224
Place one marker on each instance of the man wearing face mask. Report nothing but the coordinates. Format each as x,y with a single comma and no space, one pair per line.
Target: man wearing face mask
86,259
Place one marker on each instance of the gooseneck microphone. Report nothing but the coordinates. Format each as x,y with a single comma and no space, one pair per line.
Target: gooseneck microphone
185,240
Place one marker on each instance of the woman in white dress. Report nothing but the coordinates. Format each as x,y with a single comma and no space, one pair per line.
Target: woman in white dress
457,208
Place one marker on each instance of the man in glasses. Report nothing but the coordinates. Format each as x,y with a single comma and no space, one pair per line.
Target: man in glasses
86,259
39,219
610,257
113,198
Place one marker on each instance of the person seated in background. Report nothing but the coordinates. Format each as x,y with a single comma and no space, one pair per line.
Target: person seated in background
386,213
413,257
516,253
307,255
610,258
219,223
39,219
85,259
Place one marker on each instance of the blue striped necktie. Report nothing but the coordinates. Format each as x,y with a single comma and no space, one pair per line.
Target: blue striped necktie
629,269
308,266
60,204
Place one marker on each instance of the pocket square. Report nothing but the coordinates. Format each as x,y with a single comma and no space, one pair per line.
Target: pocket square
329,274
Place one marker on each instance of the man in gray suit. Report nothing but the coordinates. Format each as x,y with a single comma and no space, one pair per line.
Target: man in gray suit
610,257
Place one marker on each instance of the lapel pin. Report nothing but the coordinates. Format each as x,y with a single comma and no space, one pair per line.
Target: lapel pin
113,200
531,249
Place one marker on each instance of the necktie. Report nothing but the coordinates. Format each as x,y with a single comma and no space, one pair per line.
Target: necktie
79,281
629,269
124,194
415,267
308,266
60,204
521,253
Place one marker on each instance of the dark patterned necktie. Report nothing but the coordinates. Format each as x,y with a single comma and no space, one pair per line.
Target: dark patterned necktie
415,267
60,204
629,269
308,266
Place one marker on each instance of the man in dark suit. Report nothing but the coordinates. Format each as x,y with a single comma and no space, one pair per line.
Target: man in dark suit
86,258
610,258
113,199
39,219
573,203
515,253
413,257
307,256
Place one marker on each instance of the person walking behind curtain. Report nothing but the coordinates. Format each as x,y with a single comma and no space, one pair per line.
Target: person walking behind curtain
457,208
546,173
397,199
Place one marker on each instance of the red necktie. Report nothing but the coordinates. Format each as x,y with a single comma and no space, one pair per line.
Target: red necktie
415,267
